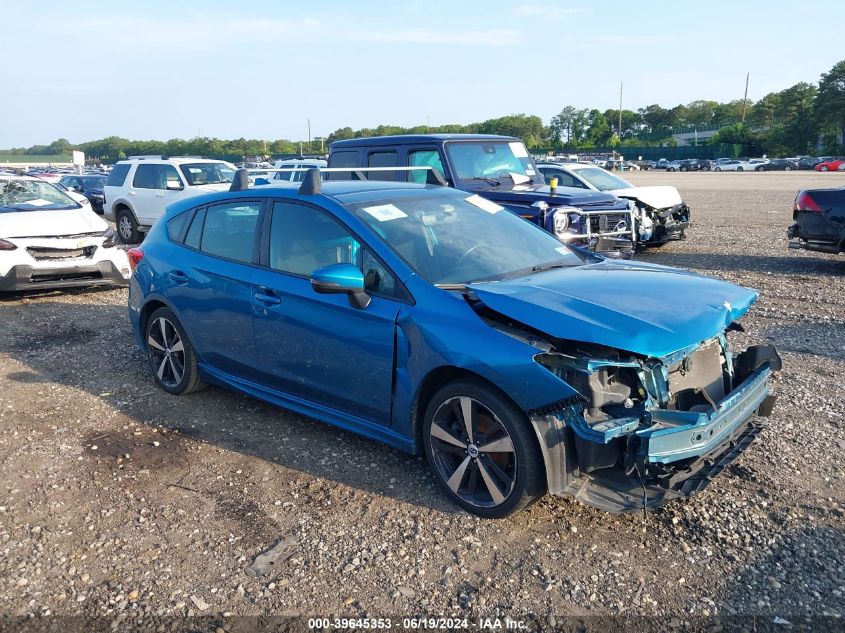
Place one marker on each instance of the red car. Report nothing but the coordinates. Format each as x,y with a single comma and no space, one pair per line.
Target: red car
831,164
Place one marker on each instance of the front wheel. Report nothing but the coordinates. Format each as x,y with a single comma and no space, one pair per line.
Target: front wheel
787,168
482,450
127,227
739,169
718,169
172,359
824,168
761,169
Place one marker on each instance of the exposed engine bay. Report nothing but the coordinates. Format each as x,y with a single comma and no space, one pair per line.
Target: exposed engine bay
645,430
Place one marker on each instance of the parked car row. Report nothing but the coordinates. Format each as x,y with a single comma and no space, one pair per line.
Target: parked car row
397,291
436,320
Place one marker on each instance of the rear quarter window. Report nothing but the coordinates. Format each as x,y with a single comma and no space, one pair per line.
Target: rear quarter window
117,176
176,226
348,158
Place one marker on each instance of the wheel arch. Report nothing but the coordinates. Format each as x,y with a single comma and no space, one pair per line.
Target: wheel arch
439,377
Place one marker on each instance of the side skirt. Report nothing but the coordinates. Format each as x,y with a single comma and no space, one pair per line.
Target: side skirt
345,421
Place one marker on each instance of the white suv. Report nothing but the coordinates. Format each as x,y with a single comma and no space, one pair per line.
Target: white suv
139,188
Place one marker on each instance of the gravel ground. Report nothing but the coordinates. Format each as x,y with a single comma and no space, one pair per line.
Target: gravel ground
123,503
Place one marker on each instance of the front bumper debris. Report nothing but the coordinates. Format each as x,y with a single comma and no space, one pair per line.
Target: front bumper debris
25,277
617,468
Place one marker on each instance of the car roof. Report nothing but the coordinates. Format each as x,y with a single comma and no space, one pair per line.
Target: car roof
169,159
16,177
405,139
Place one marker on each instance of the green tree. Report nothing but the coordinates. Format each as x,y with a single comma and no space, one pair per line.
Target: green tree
569,126
830,101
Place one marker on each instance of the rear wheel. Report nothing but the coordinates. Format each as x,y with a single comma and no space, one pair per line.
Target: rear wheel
127,227
787,168
824,168
739,169
482,450
718,169
761,168
172,359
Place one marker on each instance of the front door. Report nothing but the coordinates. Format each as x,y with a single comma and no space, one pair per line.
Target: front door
319,347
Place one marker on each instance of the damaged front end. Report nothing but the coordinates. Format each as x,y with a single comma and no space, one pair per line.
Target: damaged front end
661,225
643,431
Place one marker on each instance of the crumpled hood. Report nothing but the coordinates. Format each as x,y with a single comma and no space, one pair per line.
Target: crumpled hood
657,197
529,194
41,223
641,308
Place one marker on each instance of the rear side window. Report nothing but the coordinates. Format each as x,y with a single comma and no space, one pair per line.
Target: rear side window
117,176
343,159
382,159
229,230
194,235
145,177
176,226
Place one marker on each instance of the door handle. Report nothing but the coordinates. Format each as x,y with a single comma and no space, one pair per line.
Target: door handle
178,277
267,297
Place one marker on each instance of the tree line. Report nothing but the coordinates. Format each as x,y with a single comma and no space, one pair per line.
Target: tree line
798,120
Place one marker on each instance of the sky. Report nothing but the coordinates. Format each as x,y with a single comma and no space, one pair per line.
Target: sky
86,69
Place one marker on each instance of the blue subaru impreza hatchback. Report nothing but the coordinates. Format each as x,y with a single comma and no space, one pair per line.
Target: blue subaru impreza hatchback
436,321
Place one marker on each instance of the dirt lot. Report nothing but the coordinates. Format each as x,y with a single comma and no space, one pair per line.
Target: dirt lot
120,501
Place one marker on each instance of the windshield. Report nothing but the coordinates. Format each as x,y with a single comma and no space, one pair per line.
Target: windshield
603,180
456,238
207,173
490,160
33,195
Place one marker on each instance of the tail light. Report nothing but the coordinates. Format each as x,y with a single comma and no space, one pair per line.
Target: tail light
6,246
135,255
805,202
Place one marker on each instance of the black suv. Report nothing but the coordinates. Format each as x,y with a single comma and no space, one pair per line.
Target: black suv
500,169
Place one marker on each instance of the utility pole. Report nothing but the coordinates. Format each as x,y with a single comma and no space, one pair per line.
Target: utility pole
620,111
745,98
309,134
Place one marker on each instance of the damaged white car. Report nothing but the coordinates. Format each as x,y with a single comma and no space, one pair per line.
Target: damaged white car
661,214
48,240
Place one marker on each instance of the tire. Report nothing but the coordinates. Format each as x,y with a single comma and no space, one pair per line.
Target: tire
761,168
488,483
683,168
740,169
172,359
787,168
718,169
824,168
127,227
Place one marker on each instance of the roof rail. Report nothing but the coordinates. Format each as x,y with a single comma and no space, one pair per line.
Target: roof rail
157,157
434,176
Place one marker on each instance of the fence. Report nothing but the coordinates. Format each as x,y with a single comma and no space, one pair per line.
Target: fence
649,153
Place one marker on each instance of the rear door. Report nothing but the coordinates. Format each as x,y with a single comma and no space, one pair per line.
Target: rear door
211,284
319,347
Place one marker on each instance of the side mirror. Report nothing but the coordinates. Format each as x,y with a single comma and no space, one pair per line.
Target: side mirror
174,185
338,279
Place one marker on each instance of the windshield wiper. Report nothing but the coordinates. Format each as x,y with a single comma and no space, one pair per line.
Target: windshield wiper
543,267
489,181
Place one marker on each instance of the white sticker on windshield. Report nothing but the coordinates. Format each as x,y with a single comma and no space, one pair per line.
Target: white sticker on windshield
518,149
385,212
518,179
38,202
484,204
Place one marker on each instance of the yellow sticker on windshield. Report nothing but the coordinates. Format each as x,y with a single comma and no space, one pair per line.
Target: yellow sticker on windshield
484,204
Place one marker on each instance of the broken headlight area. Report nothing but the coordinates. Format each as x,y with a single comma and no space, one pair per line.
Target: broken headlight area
646,430
660,225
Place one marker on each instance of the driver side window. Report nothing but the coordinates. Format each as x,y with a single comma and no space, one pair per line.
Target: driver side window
303,239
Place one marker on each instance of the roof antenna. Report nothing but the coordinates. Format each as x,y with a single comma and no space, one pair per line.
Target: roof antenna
311,183
241,181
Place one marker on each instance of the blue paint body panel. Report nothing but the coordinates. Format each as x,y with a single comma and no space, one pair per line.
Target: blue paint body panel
363,369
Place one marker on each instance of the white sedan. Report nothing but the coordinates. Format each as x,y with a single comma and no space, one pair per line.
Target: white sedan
48,240
735,165
661,215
